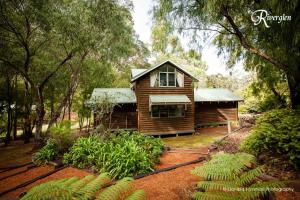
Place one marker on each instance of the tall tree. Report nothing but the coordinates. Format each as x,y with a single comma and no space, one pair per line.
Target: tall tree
237,35
166,45
42,38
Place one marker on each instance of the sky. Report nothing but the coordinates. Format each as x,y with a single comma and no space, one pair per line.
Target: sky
142,25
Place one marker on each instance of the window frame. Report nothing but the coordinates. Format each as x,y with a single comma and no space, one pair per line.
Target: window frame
168,117
167,77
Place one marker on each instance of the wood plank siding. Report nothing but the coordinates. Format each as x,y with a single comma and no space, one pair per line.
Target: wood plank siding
124,117
153,126
208,112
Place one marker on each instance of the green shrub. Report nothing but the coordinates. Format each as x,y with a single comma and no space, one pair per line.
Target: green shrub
276,131
63,134
47,153
225,175
85,188
121,155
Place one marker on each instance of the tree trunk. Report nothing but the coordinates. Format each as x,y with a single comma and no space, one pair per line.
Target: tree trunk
15,122
40,113
9,111
292,76
279,98
70,92
69,108
27,112
294,86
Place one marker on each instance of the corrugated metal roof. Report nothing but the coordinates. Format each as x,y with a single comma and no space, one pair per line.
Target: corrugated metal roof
156,66
135,72
119,95
214,94
126,95
168,99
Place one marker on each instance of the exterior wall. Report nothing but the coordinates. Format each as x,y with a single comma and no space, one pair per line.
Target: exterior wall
154,126
209,112
123,117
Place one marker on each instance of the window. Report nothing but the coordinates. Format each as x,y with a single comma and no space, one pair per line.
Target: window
167,76
169,111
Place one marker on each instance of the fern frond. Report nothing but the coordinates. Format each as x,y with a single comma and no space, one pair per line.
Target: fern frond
137,195
216,185
261,189
69,189
71,181
49,190
115,191
224,167
80,183
248,177
214,196
88,191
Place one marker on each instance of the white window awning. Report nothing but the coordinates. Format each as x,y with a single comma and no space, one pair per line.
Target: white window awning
168,100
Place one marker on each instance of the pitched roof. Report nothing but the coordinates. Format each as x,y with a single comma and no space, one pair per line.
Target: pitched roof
135,72
119,95
214,94
134,78
126,95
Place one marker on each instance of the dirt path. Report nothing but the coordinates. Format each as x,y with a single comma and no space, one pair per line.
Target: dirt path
176,184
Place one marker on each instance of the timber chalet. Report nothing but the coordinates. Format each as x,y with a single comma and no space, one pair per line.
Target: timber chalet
163,100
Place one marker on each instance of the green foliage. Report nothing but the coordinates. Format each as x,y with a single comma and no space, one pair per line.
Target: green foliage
84,189
270,52
276,131
62,134
121,155
47,153
225,174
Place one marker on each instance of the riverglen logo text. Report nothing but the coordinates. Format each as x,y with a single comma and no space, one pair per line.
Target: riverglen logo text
262,16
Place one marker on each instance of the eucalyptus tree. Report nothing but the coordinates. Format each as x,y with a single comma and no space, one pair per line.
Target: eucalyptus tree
41,38
274,41
166,45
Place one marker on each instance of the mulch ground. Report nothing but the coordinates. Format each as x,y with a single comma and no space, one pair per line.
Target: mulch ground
65,173
176,184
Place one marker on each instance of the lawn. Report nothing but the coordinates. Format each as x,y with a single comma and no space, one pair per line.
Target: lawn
194,141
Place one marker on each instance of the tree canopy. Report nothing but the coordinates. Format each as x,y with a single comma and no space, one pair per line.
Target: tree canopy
259,46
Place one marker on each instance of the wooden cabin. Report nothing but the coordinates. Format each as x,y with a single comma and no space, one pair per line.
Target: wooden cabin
163,100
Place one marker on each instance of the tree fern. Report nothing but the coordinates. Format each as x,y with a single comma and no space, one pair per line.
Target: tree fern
249,176
81,183
228,166
213,196
83,189
88,192
231,176
116,191
215,185
138,194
